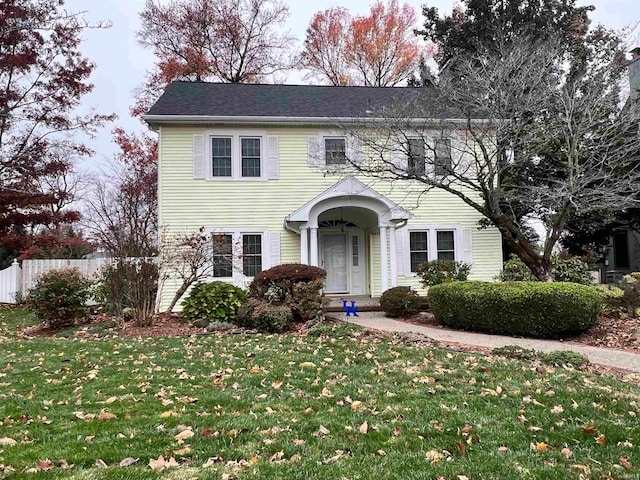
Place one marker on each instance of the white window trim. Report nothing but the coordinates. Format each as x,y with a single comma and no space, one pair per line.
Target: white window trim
432,246
236,239
236,154
328,134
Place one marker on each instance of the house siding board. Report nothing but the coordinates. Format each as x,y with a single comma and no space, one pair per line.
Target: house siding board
187,204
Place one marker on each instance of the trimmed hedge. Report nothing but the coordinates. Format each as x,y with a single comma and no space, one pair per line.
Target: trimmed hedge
400,302
533,309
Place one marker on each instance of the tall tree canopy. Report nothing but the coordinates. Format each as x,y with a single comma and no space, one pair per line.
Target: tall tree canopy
378,49
235,41
43,78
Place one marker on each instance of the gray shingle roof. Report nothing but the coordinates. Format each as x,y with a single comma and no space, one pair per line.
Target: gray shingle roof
263,100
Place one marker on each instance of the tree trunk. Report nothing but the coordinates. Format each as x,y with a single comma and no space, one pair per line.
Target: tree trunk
539,265
183,288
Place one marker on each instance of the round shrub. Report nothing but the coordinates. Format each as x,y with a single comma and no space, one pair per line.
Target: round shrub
571,270
535,309
436,272
400,302
265,317
295,285
515,270
214,301
59,297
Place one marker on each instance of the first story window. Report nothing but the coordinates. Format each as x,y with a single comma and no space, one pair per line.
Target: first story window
222,255
335,151
418,248
221,156
251,254
445,244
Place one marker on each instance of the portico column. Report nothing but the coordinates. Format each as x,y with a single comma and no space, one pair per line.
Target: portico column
304,245
313,231
394,257
384,262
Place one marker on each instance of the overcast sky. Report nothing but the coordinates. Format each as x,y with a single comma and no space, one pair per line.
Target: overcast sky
121,64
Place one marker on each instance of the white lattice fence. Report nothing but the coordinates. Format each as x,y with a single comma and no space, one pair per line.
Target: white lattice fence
10,283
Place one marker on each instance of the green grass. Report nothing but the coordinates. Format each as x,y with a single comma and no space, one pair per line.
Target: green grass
256,401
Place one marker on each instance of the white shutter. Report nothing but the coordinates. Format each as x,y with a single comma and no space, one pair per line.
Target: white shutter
314,153
354,150
467,246
274,249
399,252
273,171
398,156
198,156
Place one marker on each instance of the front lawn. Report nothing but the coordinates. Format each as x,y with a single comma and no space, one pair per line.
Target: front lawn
337,404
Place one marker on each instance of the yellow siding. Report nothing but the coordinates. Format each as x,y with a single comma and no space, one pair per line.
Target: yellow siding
187,203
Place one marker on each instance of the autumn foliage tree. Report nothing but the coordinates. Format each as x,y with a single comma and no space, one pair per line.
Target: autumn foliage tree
235,41
43,78
378,49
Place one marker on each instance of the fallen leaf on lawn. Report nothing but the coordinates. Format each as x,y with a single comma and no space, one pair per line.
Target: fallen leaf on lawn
307,365
4,441
583,468
463,477
540,446
89,438
168,413
322,430
62,463
339,454
382,453
106,416
355,405
295,458
110,400
434,456
364,428
100,463
183,435
535,429
601,440
566,452
462,448
276,456
624,461
326,393
557,409
127,462
206,432
276,385
161,463
502,448
297,441
396,432
589,429
212,461
186,450
44,465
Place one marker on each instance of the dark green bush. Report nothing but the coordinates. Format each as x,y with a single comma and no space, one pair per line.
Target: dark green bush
400,302
214,301
559,358
265,317
514,270
295,285
59,297
571,270
515,351
436,272
536,309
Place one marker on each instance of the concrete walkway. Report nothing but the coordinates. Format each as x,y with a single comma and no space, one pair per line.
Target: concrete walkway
603,356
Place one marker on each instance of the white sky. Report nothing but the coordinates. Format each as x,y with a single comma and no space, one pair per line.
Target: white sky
121,64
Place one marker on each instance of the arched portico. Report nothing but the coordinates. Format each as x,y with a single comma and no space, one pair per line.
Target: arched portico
338,229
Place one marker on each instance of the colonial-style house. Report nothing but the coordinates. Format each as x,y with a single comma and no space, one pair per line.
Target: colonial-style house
263,168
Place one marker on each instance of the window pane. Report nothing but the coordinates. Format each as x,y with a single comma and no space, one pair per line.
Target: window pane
418,249
335,151
621,250
222,255
445,245
443,156
355,251
251,255
250,157
221,156
415,148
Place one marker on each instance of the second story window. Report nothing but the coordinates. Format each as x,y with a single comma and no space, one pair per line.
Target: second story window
250,157
335,150
442,162
221,156
415,160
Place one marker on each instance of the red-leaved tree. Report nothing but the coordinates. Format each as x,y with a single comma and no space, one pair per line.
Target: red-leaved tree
234,41
378,49
43,78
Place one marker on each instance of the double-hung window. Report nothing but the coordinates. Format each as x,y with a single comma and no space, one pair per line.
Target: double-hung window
221,157
415,156
222,255
445,245
251,254
335,150
418,248
250,156
442,163
427,243
239,155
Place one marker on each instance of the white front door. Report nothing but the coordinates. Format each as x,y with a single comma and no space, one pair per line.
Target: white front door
334,261
357,262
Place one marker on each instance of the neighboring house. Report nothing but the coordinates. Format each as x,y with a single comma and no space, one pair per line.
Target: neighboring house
261,168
